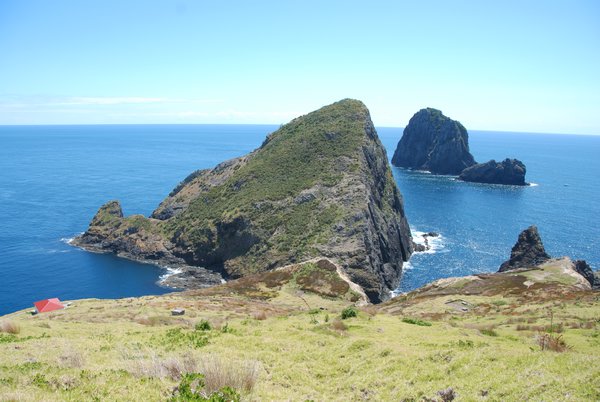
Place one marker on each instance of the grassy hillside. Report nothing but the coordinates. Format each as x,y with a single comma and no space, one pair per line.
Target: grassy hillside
280,336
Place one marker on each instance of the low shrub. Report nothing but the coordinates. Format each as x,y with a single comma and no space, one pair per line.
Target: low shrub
192,387
552,342
488,332
203,325
349,312
416,321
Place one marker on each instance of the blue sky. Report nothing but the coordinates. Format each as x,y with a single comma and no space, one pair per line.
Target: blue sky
496,65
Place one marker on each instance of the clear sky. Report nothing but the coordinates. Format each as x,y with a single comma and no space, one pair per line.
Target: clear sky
496,65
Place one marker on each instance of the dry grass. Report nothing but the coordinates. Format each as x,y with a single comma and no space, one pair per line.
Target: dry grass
10,327
154,320
147,364
71,357
582,325
219,373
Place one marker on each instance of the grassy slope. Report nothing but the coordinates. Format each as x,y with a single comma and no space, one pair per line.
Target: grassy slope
112,350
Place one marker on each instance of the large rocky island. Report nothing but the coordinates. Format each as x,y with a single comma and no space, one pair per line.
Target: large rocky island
440,145
434,142
320,186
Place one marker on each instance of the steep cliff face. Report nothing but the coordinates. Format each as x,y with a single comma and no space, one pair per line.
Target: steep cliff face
509,171
319,186
434,142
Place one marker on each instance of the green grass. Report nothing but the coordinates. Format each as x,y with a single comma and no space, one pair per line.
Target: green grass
97,350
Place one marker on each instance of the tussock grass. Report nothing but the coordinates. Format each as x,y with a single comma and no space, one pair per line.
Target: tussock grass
220,372
338,325
148,364
259,315
10,327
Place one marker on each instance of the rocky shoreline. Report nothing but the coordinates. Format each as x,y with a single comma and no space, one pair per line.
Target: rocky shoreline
186,277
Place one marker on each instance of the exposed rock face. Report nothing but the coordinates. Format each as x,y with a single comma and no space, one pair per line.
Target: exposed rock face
509,171
434,142
527,252
585,270
319,186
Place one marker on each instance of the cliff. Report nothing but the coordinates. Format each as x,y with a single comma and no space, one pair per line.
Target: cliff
319,186
433,142
509,171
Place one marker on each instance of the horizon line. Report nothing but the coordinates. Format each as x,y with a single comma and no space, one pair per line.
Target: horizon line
265,124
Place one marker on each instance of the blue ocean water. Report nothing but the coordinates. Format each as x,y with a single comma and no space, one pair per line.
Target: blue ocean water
54,178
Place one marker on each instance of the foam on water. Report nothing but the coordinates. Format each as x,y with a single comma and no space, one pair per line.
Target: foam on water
169,272
434,244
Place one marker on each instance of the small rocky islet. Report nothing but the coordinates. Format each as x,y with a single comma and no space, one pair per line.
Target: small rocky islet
434,142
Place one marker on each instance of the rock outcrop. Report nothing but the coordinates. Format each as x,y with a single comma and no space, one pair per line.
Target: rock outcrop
320,186
583,269
509,171
434,142
527,252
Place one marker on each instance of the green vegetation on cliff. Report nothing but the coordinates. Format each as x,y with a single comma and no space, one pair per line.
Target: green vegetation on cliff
321,185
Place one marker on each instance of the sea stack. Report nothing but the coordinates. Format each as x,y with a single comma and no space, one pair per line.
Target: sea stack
528,252
434,142
320,186
509,171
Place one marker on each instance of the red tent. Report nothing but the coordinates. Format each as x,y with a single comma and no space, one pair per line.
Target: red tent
43,306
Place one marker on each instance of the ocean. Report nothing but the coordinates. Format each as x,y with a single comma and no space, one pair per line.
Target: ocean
54,178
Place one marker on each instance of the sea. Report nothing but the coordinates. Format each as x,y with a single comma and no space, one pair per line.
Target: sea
53,179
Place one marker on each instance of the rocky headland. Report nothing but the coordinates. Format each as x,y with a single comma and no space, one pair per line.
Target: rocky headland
509,171
440,145
320,186
434,142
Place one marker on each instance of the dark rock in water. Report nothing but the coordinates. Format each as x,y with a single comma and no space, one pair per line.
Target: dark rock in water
434,142
583,269
421,247
527,252
509,171
320,186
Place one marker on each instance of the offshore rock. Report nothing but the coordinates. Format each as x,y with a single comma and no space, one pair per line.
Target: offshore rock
320,186
434,142
527,252
509,171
